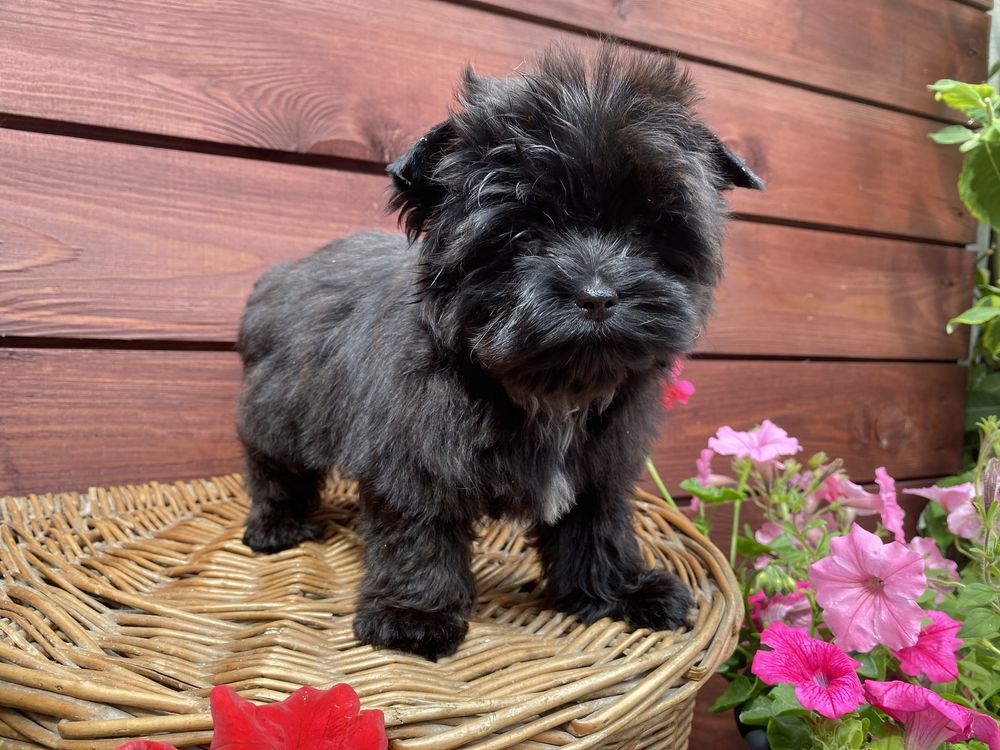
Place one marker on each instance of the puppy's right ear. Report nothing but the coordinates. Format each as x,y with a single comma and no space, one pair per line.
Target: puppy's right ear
415,192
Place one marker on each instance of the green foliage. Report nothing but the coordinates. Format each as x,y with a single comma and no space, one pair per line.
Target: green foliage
788,733
779,701
979,189
979,181
976,601
711,494
739,691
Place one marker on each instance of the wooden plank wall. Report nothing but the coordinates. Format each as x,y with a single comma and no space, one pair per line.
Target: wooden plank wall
156,157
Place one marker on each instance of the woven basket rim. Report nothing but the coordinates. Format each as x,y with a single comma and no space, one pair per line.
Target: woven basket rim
86,579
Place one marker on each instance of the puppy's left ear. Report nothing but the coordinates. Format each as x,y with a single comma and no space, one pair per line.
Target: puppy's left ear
414,190
733,169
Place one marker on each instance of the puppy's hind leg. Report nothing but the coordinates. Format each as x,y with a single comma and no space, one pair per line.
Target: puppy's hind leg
282,500
593,568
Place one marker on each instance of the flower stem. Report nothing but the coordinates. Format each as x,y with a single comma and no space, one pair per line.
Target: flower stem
735,532
659,483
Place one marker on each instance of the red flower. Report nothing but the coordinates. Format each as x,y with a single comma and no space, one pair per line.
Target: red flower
308,719
675,390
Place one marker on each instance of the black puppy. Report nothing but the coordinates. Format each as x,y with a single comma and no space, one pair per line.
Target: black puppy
565,228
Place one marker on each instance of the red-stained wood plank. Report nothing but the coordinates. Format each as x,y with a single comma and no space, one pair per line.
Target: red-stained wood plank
882,51
798,292
907,418
108,241
363,79
74,418
78,418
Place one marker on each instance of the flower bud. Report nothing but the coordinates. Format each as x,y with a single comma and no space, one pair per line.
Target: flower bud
991,483
773,580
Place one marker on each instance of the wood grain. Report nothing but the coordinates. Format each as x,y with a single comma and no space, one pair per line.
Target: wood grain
907,418
77,418
73,418
798,292
109,241
852,47
301,76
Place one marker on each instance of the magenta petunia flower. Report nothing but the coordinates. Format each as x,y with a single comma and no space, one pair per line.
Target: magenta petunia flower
892,514
868,591
934,561
824,677
927,718
963,519
766,443
792,609
933,654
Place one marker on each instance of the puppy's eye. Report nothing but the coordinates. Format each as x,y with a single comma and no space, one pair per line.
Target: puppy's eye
526,238
639,231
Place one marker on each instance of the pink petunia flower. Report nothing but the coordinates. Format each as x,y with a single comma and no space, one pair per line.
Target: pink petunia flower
675,390
766,443
892,514
933,654
857,500
963,519
792,609
824,677
927,718
934,561
868,591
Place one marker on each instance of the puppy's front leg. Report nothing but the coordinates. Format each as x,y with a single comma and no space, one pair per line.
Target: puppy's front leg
418,591
593,568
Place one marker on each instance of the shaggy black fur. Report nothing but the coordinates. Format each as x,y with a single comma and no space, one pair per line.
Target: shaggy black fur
567,227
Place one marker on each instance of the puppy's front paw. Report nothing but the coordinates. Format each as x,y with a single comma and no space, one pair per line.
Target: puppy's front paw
267,534
427,634
658,601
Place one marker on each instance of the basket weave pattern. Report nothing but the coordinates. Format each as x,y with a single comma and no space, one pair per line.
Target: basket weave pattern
121,608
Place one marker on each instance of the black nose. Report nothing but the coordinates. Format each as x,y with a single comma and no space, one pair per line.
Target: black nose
597,299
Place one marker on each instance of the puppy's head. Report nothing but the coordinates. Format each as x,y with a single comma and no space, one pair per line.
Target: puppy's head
571,221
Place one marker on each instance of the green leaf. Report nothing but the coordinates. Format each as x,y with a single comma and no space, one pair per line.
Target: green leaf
784,702
974,315
849,734
889,742
980,623
953,134
975,595
873,665
738,692
979,183
749,547
711,494
989,339
758,713
975,412
994,69
788,733
933,522
967,97
980,678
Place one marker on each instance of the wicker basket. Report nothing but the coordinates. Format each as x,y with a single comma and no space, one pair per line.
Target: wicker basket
121,608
